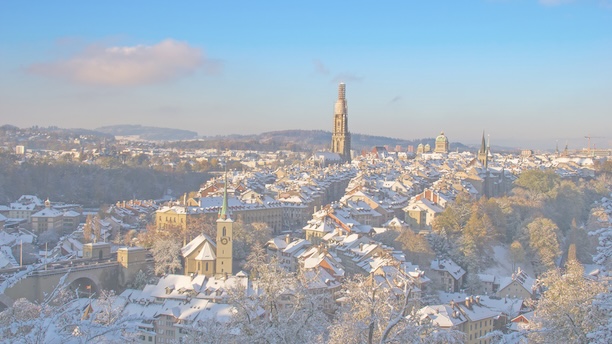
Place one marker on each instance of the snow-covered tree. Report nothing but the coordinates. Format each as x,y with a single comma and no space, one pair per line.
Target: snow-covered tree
63,318
166,254
208,331
247,237
143,278
108,311
602,305
379,313
281,309
564,314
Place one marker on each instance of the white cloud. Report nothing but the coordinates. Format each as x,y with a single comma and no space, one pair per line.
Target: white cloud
135,65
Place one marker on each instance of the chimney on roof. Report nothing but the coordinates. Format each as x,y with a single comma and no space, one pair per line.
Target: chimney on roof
287,239
467,302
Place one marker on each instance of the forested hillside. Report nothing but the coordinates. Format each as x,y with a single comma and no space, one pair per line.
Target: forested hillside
89,184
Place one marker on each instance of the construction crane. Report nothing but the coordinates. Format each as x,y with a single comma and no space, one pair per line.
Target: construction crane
591,137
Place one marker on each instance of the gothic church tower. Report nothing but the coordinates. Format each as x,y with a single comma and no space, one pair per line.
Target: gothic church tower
224,238
483,153
341,138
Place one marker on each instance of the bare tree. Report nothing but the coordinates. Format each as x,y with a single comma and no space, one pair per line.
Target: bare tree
88,229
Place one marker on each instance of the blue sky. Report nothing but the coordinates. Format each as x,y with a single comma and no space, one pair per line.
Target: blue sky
530,73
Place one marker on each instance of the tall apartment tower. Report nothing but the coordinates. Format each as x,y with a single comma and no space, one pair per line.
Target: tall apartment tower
341,138
225,225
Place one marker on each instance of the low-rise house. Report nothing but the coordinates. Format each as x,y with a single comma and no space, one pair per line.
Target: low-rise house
420,214
71,220
405,276
520,286
521,322
177,305
290,255
505,308
490,284
471,317
47,219
24,207
446,274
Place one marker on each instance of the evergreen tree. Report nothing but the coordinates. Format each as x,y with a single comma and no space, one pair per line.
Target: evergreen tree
544,241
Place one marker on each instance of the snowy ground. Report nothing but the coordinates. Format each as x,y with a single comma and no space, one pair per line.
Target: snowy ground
502,265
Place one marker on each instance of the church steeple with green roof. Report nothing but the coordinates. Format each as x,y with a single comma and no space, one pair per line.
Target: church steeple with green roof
224,244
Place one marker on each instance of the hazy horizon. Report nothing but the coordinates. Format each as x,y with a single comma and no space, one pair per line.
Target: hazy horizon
531,74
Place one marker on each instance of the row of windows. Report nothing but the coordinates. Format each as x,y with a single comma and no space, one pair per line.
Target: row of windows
172,219
205,266
479,325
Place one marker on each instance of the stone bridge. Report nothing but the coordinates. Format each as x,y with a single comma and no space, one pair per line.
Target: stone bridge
87,277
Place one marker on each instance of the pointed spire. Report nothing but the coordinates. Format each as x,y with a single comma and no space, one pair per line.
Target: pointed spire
224,211
483,153
483,146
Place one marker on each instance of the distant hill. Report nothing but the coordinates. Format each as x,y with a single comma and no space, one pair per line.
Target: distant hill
322,139
295,140
302,140
148,133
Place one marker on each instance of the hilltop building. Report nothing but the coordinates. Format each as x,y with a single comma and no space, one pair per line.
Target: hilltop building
441,144
341,138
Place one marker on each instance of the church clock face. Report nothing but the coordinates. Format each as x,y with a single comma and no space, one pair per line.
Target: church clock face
224,241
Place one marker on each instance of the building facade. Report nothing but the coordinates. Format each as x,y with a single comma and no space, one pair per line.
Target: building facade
441,144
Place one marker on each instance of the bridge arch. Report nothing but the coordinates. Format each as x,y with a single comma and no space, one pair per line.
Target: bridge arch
84,287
